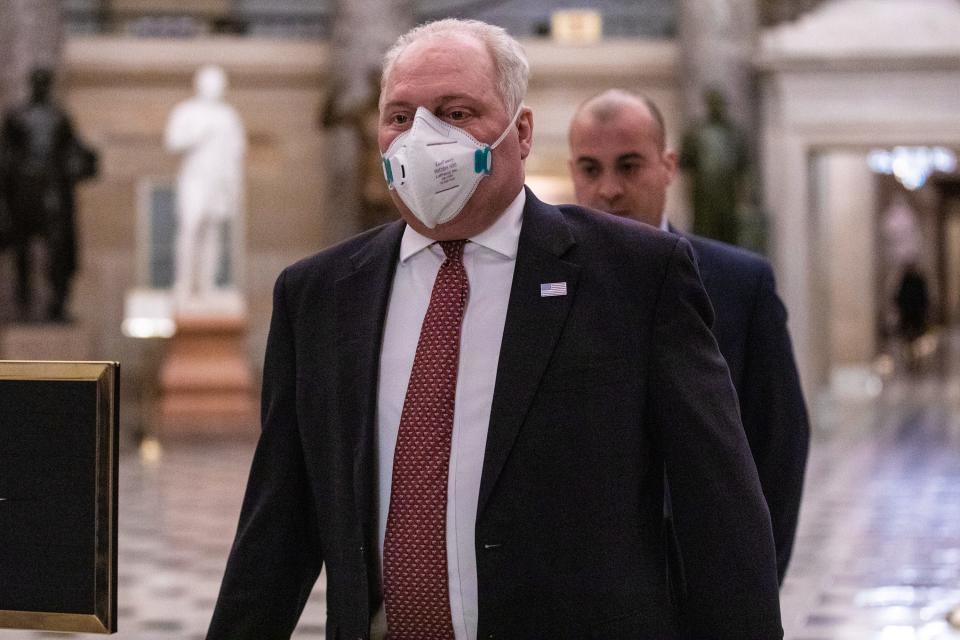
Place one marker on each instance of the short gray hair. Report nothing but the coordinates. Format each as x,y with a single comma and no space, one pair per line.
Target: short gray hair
509,59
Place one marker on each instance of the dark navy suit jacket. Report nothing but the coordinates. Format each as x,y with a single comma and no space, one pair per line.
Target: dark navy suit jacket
751,329
597,392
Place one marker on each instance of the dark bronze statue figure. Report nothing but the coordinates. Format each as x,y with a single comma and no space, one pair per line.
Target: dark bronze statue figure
41,160
714,154
362,118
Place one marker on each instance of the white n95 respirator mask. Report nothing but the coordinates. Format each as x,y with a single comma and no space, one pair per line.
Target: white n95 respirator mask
435,167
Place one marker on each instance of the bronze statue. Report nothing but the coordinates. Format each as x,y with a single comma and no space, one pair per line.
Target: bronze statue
6,222
714,154
41,160
362,118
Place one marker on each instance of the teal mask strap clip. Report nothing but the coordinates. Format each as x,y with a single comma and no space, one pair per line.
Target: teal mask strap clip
482,160
387,172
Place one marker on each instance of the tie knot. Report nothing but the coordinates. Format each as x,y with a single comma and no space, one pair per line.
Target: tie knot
453,249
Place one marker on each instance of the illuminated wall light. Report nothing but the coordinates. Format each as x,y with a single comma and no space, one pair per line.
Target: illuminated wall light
576,26
912,165
148,313
149,327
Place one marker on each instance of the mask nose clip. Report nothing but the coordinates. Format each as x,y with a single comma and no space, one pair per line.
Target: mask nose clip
482,161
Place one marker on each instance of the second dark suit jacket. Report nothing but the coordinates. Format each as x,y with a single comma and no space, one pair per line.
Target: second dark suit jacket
597,392
751,330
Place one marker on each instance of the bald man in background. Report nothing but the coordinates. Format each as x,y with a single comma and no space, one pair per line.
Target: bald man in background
621,164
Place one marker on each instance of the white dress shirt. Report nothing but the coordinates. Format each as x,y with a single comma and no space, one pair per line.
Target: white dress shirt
489,259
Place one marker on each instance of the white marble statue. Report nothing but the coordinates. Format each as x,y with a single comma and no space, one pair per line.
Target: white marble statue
209,134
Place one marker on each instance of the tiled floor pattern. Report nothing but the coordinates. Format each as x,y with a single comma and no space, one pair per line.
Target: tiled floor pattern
877,557
878,550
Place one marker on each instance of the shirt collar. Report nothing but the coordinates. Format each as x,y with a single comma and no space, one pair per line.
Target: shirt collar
664,223
503,236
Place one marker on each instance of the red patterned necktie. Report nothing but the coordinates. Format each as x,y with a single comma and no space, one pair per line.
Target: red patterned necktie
415,590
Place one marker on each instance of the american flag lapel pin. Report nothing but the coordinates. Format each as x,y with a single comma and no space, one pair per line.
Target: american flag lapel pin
551,289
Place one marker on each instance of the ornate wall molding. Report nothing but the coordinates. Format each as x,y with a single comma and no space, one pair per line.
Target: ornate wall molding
845,32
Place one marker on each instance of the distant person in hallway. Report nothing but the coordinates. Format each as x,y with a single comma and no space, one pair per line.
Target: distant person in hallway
467,412
620,163
913,309
41,161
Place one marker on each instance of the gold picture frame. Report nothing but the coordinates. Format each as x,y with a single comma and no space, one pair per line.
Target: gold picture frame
59,431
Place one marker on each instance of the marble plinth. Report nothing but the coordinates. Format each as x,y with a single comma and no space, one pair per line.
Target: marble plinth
205,386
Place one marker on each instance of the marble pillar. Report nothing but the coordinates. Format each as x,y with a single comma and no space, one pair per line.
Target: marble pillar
205,384
717,40
363,30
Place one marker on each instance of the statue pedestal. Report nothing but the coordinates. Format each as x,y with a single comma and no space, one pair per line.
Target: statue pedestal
205,382
42,341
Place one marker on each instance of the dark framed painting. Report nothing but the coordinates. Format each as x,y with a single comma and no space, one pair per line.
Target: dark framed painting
58,495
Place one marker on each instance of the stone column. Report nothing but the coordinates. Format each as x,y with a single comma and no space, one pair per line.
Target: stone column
362,32
31,35
716,49
717,41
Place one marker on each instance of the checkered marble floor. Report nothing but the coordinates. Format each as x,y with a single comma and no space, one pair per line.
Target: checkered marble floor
878,547
877,555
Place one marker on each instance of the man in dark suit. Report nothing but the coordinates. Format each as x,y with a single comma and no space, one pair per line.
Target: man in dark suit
621,164
471,436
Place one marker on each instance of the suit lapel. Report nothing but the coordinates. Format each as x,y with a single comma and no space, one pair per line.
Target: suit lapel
361,303
533,326
701,261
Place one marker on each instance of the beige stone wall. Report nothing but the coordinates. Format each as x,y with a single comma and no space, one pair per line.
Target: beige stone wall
120,92
848,217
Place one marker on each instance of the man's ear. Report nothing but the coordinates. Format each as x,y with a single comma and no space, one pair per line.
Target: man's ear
669,158
525,131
